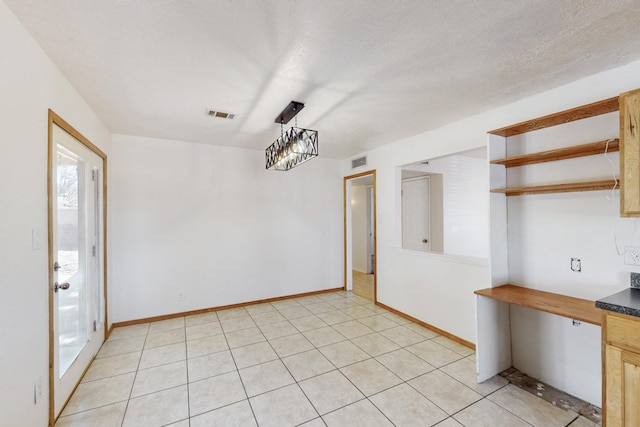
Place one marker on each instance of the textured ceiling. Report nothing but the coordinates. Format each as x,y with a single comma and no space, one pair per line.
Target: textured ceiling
369,71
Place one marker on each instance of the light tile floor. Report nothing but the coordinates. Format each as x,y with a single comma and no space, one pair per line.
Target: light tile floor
332,359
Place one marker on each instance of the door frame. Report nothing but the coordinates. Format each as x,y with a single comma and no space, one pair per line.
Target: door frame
54,119
370,224
346,209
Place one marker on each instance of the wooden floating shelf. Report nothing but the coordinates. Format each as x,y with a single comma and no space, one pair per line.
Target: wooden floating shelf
559,188
590,110
590,149
561,305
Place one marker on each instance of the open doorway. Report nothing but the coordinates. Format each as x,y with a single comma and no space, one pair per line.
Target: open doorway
360,234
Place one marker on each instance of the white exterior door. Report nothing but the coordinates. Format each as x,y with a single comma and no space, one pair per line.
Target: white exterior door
77,270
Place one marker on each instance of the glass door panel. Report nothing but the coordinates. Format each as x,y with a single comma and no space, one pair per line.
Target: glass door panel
71,256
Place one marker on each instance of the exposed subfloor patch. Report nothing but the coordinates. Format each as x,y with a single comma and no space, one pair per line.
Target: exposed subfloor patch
553,395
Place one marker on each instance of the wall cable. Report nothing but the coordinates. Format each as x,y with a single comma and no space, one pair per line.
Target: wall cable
615,207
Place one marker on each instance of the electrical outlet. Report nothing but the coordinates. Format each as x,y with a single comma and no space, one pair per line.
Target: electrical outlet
576,322
631,255
576,265
181,296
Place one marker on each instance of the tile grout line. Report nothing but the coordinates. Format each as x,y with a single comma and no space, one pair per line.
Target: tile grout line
300,332
135,375
342,301
462,357
255,418
338,369
371,357
291,374
186,365
350,340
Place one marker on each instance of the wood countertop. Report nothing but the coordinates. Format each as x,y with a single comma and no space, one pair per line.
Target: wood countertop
562,305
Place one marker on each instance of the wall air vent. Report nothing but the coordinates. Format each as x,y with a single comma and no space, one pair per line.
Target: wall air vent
360,161
220,114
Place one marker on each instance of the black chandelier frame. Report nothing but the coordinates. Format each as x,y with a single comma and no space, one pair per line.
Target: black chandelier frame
291,149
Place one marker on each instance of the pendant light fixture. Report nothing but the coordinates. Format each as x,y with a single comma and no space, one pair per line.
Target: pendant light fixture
293,147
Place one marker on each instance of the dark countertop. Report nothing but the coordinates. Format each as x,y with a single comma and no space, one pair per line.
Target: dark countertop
624,302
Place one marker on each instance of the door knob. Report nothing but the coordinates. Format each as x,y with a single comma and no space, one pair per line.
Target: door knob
63,286
425,241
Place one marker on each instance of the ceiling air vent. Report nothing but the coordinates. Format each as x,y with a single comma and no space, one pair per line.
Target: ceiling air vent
220,114
360,161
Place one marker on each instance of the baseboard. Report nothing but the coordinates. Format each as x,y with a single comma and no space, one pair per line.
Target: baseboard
108,333
428,326
222,307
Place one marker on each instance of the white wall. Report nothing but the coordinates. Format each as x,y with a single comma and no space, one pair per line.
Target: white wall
551,229
212,223
551,349
31,84
545,232
439,289
359,227
435,288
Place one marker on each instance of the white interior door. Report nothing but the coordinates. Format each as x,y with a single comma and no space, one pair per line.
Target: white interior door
370,231
415,214
78,262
